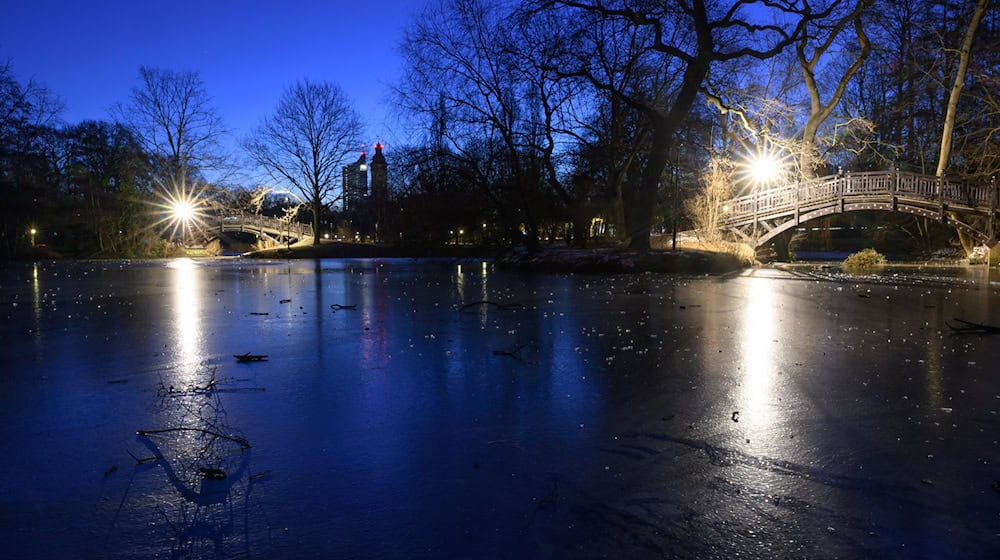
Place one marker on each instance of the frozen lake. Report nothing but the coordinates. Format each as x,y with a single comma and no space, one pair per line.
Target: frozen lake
774,413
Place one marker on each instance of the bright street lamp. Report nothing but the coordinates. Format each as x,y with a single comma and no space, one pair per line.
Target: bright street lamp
33,233
764,168
183,211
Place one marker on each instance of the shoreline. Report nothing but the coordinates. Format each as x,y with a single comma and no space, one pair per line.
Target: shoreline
549,260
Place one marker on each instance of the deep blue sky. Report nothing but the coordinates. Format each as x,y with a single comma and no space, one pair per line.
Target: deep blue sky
89,52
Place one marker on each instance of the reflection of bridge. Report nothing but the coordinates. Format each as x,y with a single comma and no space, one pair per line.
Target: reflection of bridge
760,216
275,229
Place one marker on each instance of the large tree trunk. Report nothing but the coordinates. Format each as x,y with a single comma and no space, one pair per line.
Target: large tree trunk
317,206
581,215
641,202
640,205
956,92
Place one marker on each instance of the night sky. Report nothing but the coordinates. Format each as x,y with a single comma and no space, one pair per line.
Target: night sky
247,52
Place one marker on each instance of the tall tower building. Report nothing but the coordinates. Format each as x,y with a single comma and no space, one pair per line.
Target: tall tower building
380,192
355,177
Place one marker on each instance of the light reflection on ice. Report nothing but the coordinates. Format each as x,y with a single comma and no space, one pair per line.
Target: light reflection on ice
374,323
36,303
483,295
187,324
758,347
933,371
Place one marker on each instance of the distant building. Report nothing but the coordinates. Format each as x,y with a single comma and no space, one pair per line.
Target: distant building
380,192
368,209
355,184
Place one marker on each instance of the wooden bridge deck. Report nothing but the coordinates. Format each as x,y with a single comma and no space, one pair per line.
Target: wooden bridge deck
760,216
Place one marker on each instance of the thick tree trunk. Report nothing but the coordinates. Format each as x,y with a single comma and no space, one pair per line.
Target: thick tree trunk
643,200
641,205
581,225
317,206
806,162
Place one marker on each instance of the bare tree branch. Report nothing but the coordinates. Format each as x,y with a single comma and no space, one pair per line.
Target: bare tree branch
307,140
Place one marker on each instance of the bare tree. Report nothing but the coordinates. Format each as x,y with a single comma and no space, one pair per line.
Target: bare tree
172,115
611,137
466,71
706,207
305,143
956,88
826,35
686,38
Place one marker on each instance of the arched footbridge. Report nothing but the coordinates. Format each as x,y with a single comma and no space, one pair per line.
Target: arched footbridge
275,229
759,217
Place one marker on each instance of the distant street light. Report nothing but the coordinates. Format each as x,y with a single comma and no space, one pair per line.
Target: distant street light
33,233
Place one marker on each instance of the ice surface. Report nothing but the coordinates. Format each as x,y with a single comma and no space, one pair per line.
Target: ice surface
777,413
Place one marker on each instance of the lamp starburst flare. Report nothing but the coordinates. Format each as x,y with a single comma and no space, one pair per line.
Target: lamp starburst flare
183,211
765,168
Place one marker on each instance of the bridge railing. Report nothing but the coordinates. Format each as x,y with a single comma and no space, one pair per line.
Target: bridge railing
924,186
823,191
256,222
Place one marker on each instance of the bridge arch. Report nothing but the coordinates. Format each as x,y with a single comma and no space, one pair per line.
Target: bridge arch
275,229
761,216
